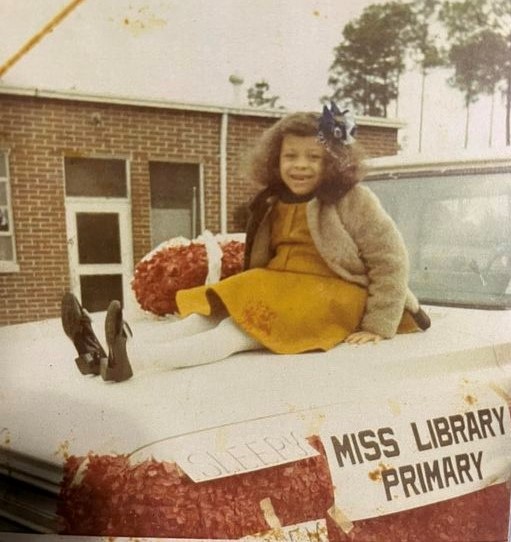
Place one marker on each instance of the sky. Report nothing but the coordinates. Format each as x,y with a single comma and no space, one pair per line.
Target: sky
185,51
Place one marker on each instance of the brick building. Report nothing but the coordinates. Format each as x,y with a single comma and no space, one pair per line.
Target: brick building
89,184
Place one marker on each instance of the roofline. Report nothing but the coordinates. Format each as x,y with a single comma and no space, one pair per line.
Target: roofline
166,104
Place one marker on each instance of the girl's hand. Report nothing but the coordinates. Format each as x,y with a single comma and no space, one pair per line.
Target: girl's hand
363,337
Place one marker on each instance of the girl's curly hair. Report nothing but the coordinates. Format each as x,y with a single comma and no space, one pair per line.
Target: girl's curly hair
343,164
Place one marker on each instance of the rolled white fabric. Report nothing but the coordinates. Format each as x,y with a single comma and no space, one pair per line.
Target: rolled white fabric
214,253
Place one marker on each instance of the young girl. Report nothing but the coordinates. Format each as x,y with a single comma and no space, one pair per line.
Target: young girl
324,263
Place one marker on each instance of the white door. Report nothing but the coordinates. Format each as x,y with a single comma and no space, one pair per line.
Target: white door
100,250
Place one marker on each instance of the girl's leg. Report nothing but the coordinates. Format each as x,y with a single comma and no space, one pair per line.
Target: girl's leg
208,346
169,330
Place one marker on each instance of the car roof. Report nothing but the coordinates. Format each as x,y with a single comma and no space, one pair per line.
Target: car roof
441,163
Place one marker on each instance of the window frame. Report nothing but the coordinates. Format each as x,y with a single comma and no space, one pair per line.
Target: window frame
8,266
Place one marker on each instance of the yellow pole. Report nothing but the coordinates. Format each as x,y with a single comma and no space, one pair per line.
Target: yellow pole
34,40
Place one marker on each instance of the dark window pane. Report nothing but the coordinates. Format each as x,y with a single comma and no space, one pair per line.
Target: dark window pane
98,238
3,165
6,252
175,205
4,219
95,177
99,290
3,193
172,184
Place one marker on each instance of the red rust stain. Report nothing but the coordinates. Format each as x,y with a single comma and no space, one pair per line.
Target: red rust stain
6,437
142,20
63,450
470,399
375,475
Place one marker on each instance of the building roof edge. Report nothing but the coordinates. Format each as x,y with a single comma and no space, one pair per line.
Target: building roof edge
182,106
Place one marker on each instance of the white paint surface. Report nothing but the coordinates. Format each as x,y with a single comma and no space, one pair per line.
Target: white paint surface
47,407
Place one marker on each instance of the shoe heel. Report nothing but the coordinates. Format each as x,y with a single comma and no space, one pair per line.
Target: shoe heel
87,365
422,320
117,367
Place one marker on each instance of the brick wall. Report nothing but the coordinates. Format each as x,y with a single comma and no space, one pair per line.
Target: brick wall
243,132
378,140
40,132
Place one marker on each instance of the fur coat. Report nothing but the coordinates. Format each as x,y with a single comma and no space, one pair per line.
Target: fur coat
360,242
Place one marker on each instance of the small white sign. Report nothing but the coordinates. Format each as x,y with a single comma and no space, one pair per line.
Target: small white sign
310,531
235,449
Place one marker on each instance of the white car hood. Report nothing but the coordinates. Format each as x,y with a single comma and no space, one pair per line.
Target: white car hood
48,410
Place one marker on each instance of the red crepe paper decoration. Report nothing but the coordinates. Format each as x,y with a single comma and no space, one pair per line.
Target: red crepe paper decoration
476,517
160,276
155,499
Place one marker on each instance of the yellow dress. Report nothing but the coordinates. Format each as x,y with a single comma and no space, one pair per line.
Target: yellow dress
295,304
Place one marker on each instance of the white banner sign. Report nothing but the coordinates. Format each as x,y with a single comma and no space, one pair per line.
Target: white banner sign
384,455
417,453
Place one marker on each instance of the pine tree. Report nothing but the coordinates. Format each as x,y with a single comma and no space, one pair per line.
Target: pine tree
371,57
479,32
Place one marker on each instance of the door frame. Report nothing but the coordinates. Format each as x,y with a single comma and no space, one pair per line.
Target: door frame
120,206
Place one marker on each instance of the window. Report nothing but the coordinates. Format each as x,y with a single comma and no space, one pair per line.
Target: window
96,177
7,248
458,229
176,207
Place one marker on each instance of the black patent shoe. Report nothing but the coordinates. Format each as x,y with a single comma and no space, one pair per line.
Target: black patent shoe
422,320
78,327
117,367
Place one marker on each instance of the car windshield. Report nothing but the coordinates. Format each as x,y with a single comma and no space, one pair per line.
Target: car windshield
457,229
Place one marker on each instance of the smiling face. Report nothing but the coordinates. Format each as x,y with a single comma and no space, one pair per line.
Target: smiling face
301,163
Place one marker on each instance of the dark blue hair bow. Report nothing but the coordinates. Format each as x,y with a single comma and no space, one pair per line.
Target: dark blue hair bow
336,125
